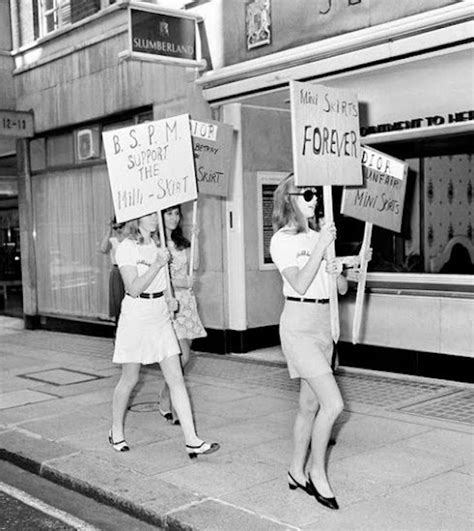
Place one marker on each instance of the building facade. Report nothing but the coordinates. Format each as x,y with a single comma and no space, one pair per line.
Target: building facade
411,67
410,64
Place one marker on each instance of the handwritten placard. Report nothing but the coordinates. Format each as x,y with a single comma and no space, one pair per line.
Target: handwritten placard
380,199
325,135
150,166
212,144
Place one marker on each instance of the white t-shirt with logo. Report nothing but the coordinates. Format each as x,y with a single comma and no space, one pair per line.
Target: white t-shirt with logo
288,249
131,253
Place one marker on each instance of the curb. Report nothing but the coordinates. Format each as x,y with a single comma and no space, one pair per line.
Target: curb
165,522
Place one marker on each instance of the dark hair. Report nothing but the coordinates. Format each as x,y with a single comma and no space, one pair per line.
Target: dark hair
115,225
177,236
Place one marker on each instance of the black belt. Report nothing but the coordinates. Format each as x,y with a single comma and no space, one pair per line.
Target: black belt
301,299
156,295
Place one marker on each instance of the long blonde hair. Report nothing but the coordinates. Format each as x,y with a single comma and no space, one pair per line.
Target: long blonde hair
132,232
285,210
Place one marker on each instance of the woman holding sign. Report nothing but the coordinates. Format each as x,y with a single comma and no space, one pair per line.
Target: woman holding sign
186,322
145,334
305,331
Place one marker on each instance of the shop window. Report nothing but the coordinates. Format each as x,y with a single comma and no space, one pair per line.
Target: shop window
71,209
10,261
83,8
437,229
51,15
60,150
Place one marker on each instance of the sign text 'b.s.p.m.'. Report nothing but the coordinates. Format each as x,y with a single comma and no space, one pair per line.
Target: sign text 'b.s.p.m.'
212,144
380,199
325,135
150,166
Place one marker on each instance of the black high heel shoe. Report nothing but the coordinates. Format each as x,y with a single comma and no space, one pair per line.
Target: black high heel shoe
330,503
167,415
119,446
293,485
203,448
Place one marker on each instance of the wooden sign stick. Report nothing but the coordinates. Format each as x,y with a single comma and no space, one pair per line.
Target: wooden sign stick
193,240
161,229
359,304
331,253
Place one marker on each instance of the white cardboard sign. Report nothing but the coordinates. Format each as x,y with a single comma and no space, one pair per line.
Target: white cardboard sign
325,135
150,166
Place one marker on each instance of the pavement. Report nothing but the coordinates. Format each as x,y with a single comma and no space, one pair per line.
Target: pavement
403,457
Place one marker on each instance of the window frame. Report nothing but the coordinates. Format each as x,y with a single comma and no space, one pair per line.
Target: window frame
44,13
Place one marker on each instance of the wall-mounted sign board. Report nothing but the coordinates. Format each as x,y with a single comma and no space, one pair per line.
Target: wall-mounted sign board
212,144
16,124
162,35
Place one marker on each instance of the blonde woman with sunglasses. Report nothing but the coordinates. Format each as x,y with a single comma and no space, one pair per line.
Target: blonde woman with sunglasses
298,250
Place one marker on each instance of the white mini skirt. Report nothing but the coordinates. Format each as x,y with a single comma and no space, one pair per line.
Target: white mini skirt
144,333
306,341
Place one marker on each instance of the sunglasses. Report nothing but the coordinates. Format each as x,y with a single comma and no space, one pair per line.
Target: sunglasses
307,195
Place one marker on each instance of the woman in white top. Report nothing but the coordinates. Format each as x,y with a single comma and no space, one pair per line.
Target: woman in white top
305,331
145,334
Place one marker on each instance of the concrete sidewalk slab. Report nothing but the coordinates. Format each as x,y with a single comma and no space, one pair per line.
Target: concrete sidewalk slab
392,468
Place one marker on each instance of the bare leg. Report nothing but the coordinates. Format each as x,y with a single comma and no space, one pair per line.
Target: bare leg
308,407
173,374
165,399
330,401
123,389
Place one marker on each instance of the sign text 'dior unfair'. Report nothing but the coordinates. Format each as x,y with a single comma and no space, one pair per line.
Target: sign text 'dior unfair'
325,135
380,199
150,166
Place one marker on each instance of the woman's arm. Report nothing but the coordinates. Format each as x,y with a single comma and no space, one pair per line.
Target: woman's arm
134,284
335,267
300,279
195,233
105,244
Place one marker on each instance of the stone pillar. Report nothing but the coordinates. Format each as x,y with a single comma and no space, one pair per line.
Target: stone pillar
27,234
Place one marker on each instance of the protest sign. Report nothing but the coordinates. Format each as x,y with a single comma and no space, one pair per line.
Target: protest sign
325,135
212,145
380,199
150,166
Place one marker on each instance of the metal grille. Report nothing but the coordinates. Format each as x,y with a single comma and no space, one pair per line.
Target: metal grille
457,407
385,391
